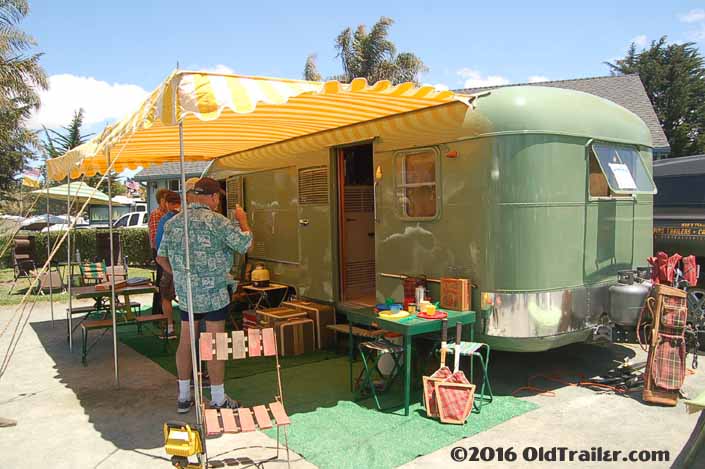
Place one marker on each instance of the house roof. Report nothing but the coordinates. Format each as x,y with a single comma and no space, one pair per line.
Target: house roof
625,90
171,170
685,165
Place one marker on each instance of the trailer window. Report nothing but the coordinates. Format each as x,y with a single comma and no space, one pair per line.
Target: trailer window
416,183
621,168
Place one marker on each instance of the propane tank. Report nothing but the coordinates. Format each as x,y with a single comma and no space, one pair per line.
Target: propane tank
627,298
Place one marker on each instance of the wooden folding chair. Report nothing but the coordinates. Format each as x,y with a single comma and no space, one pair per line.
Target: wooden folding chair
240,345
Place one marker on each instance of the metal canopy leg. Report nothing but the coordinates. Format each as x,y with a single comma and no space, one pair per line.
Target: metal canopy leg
112,273
68,257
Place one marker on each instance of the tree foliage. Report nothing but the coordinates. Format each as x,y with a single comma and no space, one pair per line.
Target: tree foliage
310,69
372,55
674,78
21,76
58,143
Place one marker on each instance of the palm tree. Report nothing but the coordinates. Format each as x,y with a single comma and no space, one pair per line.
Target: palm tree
21,76
372,56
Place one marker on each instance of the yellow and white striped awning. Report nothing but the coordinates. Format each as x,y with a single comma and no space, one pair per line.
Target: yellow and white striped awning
227,114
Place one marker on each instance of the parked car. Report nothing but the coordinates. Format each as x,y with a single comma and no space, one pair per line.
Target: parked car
132,220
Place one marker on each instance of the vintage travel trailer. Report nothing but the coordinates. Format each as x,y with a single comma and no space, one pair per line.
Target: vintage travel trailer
538,195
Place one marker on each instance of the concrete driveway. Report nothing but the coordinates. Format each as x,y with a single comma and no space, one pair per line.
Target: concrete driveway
73,416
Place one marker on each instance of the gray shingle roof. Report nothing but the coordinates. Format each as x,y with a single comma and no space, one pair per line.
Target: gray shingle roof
171,170
626,90
690,165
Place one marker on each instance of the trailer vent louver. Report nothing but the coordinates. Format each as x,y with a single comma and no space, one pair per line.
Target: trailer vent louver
233,188
313,186
359,199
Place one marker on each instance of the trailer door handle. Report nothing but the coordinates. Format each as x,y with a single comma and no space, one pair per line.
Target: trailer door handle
304,221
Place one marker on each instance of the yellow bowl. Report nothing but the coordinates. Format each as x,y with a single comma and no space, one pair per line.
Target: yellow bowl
393,316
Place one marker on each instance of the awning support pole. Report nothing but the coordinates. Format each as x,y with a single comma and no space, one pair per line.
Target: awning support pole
68,257
112,271
189,293
51,279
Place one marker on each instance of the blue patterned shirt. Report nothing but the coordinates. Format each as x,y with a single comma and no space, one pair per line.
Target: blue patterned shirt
214,240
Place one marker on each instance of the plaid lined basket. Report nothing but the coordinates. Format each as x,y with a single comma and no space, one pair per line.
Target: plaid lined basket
455,403
429,389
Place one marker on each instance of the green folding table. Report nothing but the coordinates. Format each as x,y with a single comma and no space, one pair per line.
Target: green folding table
408,328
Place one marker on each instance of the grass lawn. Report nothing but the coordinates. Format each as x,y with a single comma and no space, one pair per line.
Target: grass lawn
6,280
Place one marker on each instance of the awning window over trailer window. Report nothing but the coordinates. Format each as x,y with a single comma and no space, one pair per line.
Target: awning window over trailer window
623,169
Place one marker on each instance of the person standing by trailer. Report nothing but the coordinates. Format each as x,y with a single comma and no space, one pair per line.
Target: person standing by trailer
212,243
166,284
153,224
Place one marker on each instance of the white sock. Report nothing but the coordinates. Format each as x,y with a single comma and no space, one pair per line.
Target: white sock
170,328
217,394
184,389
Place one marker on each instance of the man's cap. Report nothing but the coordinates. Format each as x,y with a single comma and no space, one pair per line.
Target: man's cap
173,197
207,186
190,183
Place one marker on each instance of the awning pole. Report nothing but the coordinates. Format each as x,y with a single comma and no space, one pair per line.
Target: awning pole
68,257
51,279
189,293
112,271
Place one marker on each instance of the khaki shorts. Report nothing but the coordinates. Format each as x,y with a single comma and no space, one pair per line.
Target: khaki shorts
166,286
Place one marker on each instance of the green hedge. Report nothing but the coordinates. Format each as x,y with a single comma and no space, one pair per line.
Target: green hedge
135,245
6,258
134,241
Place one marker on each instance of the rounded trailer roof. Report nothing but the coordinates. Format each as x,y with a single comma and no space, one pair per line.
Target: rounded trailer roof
537,109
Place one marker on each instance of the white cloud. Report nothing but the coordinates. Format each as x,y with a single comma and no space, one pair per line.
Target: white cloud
699,35
220,68
101,101
474,79
693,16
640,40
537,79
438,86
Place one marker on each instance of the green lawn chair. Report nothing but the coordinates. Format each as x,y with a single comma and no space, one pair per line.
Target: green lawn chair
93,273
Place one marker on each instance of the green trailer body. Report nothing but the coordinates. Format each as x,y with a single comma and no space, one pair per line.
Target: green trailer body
513,213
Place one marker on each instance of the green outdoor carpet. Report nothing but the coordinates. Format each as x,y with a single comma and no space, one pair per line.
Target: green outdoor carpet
149,345
328,428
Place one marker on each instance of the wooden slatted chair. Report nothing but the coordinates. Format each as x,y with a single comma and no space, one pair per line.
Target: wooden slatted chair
240,345
92,273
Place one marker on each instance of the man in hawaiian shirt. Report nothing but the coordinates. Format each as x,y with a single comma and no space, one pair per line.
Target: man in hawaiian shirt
213,240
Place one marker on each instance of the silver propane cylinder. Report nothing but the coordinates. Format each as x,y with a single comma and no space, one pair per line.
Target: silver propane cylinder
627,298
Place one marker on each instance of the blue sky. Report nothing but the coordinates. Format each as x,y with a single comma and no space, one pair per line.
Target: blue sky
105,56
